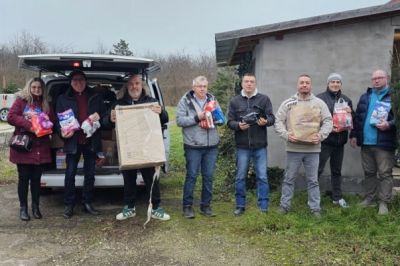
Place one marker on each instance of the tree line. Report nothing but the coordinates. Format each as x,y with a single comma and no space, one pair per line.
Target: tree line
175,77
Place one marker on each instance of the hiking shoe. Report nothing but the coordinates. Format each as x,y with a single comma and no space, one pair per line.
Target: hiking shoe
238,211
367,203
383,209
342,203
207,211
282,210
126,213
188,212
160,214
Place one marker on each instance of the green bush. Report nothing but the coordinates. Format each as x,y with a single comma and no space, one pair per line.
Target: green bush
11,87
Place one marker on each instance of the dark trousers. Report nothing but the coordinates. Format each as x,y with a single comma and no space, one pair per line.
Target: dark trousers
29,173
88,166
335,154
130,186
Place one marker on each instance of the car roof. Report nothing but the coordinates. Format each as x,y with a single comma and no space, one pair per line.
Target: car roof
63,63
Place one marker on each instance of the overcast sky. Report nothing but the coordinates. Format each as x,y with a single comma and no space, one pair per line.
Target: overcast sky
158,26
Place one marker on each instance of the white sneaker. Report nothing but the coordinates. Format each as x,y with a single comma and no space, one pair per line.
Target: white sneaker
126,213
383,209
160,214
342,203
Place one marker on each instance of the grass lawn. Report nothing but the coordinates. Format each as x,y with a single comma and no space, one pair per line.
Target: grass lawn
353,236
341,237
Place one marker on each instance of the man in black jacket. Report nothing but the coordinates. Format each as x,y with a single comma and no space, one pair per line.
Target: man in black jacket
134,93
333,146
84,103
251,140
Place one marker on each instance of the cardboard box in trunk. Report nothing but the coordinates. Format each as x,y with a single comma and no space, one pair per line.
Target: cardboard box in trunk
110,152
139,137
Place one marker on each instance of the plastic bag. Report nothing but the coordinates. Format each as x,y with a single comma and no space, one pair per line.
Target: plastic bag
380,112
41,124
68,122
214,115
342,120
89,127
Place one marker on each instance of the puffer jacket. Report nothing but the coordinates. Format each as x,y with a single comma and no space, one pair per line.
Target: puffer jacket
387,138
330,98
95,104
40,152
255,136
194,136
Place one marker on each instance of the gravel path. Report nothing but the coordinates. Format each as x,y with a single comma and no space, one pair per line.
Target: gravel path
86,240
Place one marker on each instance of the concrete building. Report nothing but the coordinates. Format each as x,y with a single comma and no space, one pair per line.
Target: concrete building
352,43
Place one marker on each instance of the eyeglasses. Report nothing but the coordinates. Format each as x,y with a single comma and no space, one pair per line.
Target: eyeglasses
377,78
78,79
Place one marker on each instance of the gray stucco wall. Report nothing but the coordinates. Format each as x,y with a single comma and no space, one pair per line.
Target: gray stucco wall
353,50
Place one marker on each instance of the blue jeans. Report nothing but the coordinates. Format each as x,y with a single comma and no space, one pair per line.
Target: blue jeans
89,165
196,159
259,158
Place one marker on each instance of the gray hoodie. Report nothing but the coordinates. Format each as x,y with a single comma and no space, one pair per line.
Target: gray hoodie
194,136
281,123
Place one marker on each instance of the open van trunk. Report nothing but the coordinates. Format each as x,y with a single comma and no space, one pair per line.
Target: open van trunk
107,74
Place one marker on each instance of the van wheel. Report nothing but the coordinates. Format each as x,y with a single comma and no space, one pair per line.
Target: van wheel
4,114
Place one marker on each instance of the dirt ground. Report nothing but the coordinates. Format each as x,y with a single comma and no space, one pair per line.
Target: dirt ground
101,240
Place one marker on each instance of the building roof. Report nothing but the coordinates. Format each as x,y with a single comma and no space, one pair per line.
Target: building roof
232,45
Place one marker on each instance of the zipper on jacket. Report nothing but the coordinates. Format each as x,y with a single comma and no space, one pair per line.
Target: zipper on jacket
248,130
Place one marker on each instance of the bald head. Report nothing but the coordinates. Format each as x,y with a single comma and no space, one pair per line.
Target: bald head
379,79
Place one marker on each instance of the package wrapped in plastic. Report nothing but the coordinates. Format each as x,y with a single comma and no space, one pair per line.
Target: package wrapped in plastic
89,126
68,122
41,124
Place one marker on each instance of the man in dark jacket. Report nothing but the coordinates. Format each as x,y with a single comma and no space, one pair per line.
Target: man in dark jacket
332,147
134,93
251,140
377,141
84,103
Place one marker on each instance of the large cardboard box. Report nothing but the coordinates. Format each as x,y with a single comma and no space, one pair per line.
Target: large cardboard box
139,137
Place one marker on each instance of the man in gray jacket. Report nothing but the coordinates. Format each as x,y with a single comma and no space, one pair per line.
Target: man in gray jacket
200,146
298,151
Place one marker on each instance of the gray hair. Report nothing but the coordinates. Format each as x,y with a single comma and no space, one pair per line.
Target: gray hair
199,79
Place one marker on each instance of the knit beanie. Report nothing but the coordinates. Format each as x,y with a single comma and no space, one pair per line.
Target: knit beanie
334,76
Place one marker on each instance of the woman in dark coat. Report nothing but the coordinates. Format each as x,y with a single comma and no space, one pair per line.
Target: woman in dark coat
30,164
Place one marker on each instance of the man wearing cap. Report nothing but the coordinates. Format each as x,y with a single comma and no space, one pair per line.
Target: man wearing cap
377,141
84,103
332,147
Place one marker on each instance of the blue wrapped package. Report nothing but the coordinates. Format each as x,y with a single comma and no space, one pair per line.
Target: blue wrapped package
380,112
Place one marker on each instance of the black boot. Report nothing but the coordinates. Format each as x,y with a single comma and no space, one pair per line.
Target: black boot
35,211
88,208
23,214
68,211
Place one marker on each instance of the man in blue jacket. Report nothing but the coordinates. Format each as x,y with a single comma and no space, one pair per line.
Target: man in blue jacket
251,140
377,141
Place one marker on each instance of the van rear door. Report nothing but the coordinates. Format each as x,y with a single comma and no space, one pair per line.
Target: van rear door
62,63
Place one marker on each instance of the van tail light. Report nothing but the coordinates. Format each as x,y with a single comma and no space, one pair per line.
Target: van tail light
76,64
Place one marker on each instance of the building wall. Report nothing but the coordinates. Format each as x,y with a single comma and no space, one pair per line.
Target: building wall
353,50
